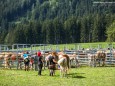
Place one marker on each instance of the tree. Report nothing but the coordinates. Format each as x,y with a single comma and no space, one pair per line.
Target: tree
111,33
48,32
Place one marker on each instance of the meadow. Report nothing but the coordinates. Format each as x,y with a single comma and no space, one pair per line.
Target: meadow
74,46
82,76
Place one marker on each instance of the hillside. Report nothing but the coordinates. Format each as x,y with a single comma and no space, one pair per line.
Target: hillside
54,21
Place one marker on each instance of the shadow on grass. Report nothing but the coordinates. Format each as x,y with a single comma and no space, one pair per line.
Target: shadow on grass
80,77
76,75
73,75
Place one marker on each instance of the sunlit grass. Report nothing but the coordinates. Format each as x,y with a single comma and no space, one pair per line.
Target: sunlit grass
84,76
72,46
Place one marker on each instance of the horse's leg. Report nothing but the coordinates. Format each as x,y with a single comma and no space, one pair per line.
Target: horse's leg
70,63
94,63
21,65
77,63
103,64
61,73
48,64
66,73
17,65
99,62
7,64
10,63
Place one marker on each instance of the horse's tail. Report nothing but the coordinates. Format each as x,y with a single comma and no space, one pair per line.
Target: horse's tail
68,59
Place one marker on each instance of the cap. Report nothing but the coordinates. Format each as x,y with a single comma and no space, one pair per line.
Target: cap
39,54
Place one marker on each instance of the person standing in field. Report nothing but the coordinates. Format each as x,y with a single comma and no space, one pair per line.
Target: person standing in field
26,61
52,63
40,63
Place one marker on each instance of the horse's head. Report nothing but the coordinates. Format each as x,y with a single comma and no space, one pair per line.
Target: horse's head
55,55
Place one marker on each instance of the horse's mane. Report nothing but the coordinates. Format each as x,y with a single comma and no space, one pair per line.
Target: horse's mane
55,55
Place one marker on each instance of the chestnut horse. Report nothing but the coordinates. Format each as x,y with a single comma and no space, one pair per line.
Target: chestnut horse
100,57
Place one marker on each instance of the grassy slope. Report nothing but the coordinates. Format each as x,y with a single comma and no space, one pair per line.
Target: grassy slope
75,46
84,76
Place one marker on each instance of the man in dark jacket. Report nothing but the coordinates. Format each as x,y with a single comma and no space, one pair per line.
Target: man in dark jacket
40,63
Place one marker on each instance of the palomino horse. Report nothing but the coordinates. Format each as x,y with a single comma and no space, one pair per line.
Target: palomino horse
92,60
10,58
64,64
7,60
2,59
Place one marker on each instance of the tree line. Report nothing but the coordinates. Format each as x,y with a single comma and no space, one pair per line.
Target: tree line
54,21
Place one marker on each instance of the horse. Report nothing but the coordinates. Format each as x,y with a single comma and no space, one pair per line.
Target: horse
7,60
92,60
1,56
74,60
101,56
64,64
2,59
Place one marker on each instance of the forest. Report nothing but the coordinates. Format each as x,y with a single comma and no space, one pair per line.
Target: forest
56,21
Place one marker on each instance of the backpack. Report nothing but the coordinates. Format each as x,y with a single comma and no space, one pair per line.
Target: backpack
26,60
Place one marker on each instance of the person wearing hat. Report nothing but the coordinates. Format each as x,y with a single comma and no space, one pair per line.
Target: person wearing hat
40,63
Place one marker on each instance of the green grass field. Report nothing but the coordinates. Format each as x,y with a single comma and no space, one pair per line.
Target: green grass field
83,76
74,46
